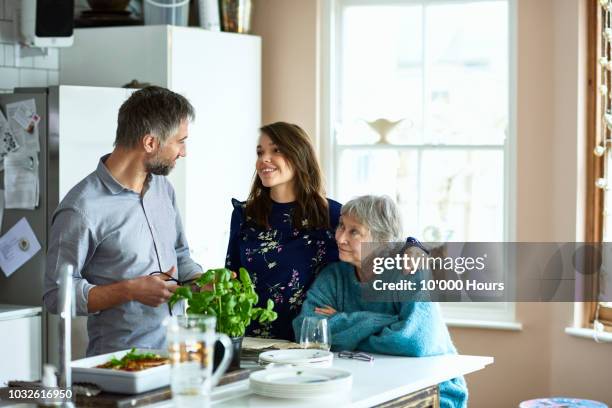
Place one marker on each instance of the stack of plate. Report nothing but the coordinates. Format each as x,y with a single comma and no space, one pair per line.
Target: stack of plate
301,382
298,357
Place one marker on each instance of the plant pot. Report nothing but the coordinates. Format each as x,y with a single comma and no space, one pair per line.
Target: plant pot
236,348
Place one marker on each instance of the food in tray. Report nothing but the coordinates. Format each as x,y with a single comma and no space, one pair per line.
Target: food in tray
134,361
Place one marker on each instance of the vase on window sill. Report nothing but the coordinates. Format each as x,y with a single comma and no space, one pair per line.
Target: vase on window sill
383,127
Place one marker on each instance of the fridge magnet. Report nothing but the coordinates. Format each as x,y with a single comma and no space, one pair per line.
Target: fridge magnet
24,244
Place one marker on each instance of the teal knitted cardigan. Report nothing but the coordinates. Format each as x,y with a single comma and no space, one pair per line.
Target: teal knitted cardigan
412,329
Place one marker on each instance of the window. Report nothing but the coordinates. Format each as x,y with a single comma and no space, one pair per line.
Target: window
421,110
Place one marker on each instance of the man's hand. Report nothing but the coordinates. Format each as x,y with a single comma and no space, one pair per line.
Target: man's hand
152,290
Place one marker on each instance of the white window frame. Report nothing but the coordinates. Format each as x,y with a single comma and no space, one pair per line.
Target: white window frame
329,46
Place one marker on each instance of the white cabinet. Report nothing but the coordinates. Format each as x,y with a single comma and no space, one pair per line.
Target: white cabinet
20,343
220,73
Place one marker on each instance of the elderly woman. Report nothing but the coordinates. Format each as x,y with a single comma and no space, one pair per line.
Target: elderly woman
412,329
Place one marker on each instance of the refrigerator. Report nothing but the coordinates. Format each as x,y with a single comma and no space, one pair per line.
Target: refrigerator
77,126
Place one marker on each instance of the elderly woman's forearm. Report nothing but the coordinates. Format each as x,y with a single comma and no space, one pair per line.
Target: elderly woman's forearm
350,329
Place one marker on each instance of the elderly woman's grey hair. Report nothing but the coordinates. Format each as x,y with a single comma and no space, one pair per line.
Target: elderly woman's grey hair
379,214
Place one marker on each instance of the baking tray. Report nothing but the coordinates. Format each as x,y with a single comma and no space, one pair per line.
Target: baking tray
122,382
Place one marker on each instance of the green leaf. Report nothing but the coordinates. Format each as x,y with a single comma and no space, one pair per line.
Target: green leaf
173,299
205,297
222,275
184,292
206,278
230,304
232,300
245,278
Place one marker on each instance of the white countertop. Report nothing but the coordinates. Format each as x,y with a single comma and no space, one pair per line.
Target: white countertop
384,379
16,311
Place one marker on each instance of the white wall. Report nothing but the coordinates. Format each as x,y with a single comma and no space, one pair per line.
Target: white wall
16,70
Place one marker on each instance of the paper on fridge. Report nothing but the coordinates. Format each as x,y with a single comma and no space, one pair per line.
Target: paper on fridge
8,142
23,121
21,184
17,247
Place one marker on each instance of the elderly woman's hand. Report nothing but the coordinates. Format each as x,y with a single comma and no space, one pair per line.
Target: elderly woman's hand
325,311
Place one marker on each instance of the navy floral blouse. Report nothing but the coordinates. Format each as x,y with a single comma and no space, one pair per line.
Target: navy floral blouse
281,260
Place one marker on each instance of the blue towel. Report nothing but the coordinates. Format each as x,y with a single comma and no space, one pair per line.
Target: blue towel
412,329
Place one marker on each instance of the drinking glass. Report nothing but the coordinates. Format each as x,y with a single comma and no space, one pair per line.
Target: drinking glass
315,333
191,343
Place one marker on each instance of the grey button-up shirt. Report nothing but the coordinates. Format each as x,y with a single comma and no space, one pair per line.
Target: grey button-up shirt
110,233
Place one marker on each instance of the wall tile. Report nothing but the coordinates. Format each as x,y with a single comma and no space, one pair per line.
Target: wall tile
9,55
7,32
49,61
32,77
53,78
53,58
9,77
26,62
9,9
23,71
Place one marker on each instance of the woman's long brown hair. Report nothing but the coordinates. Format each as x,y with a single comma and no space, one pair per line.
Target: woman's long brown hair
311,208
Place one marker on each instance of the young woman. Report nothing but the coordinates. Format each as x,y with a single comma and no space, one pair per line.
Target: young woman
405,328
284,232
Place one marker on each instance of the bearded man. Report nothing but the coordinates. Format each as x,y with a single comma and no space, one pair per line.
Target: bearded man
121,231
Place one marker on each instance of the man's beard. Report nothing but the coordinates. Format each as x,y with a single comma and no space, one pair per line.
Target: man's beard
158,166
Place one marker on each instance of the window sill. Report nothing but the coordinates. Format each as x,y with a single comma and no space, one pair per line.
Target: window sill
484,324
585,333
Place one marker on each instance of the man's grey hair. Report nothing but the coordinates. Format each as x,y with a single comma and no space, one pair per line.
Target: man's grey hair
379,214
151,110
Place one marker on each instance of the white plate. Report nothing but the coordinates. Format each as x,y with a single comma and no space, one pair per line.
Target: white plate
300,382
124,382
289,365
296,356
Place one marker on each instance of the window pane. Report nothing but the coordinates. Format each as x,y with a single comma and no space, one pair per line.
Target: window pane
381,171
443,194
442,70
462,195
381,71
466,72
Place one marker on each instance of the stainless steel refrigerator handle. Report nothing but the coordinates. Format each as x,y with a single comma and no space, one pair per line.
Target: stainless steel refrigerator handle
66,308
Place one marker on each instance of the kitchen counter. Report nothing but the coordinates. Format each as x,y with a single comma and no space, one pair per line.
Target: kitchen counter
384,379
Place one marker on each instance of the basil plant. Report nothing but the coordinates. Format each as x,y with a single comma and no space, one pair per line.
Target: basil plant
230,298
